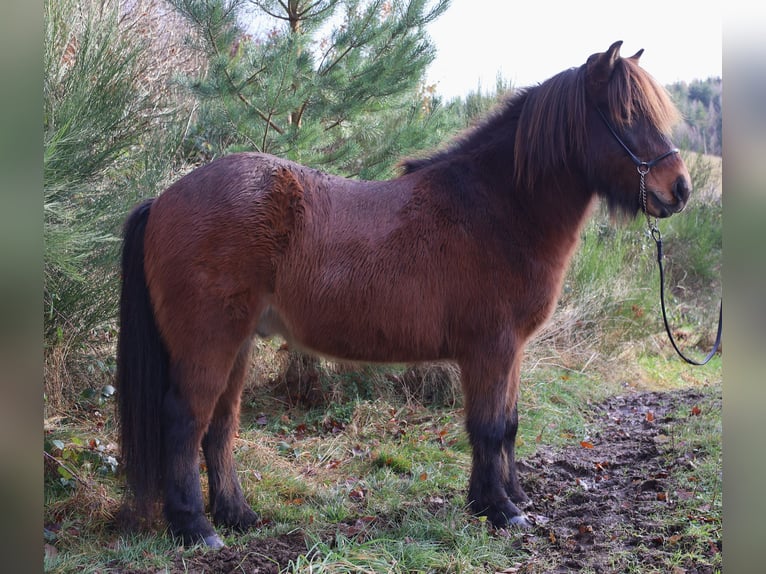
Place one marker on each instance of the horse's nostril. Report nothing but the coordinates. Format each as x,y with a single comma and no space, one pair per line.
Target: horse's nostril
682,189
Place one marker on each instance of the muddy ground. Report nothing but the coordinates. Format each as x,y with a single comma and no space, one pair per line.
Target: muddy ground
590,504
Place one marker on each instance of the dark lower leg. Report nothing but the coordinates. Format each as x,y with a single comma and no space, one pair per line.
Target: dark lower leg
486,493
511,482
184,507
227,503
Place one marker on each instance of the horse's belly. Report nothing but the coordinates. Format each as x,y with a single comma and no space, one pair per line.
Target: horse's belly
346,333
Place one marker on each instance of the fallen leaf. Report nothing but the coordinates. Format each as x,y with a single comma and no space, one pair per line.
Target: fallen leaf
586,444
357,494
696,411
650,417
423,476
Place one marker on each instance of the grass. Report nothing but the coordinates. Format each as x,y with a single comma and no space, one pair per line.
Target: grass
386,493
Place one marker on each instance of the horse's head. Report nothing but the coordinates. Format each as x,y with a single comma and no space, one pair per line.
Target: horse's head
632,161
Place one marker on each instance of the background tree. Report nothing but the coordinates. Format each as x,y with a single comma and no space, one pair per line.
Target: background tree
335,84
700,104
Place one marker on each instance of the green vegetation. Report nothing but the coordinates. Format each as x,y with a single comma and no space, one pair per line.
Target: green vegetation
108,141
385,491
334,83
375,477
700,104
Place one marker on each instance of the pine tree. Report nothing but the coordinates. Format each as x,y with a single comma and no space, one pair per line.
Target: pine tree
335,84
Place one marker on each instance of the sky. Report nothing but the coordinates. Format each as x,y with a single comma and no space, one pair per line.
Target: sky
529,41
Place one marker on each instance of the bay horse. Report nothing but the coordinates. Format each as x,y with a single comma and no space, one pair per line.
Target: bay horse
460,258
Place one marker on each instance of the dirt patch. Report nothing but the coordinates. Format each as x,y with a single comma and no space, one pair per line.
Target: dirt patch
594,503
258,556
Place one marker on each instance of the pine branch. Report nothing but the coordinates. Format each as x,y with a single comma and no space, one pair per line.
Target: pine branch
236,90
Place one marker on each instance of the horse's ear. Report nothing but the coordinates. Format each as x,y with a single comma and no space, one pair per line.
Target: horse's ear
600,66
636,56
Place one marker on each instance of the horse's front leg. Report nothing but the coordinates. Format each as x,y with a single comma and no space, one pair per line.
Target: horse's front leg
511,478
487,390
511,481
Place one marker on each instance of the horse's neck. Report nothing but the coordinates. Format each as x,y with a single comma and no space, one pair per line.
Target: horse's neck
553,214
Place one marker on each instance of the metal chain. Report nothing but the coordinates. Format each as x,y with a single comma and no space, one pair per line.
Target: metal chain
643,168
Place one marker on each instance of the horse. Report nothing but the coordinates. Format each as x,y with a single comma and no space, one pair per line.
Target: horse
458,258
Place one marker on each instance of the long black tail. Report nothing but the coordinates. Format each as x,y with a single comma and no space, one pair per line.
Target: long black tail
142,374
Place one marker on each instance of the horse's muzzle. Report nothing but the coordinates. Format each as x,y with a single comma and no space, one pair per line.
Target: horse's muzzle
658,206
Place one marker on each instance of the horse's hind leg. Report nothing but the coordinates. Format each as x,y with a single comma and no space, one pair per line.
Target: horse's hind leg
187,410
227,503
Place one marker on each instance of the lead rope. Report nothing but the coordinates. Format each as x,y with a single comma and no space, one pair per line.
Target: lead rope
654,232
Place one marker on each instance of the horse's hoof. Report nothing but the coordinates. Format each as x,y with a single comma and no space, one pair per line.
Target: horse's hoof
241,520
214,541
520,521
